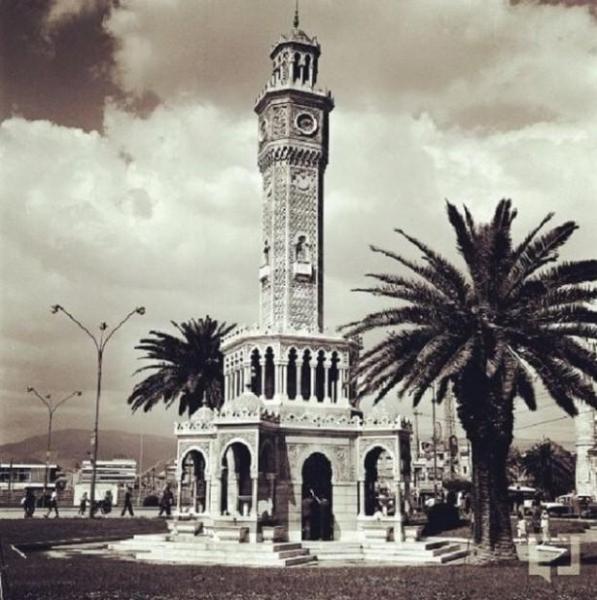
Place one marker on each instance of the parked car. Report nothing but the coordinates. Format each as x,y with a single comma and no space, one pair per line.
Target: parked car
567,499
557,509
590,512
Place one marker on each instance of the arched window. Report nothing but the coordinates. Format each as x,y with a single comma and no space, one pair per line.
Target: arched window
333,375
193,482
291,382
296,73
236,480
307,69
306,376
320,376
270,375
379,475
256,372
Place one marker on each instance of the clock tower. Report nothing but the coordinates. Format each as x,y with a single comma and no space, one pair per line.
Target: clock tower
293,131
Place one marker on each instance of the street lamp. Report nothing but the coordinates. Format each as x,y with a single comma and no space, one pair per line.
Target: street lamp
47,400
100,343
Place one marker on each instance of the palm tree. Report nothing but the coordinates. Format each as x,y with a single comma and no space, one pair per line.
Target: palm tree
514,468
550,467
189,370
485,332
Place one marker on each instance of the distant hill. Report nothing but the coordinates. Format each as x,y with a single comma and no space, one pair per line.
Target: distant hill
71,446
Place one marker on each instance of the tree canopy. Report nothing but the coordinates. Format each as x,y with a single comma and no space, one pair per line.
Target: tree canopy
187,368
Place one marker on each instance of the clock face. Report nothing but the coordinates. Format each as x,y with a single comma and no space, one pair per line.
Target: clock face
306,123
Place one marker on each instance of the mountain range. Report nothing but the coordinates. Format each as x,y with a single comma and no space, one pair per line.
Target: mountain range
72,446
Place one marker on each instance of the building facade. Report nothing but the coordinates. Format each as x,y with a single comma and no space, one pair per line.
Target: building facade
586,451
287,443
112,476
21,476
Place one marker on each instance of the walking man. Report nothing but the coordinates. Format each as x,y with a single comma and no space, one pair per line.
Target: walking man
128,503
166,501
53,505
83,504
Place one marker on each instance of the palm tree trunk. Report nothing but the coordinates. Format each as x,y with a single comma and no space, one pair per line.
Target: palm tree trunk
491,506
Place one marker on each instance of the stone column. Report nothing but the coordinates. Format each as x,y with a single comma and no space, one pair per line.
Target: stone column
262,369
361,486
326,381
215,496
207,508
277,379
255,482
299,378
283,379
398,532
179,475
312,395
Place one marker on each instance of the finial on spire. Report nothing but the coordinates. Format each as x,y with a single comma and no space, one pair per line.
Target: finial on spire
296,21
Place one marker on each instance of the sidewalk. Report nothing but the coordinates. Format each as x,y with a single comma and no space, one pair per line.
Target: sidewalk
70,512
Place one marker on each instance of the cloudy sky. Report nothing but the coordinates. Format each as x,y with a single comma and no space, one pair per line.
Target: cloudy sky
128,163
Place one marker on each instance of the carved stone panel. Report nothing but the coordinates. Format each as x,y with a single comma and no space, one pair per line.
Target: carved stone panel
338,455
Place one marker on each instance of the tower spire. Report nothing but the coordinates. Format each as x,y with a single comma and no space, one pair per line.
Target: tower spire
296,21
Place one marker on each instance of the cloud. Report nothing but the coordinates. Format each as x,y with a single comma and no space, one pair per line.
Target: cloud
63,11
473,64
146,214
473,102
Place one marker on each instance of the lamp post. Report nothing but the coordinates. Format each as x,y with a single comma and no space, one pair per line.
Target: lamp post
52,408
100,342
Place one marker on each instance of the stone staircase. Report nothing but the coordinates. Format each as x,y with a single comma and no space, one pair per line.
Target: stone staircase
205,550
335,551
423,552
189,542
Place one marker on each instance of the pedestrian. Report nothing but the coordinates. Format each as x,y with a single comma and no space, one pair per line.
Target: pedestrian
545,527
83,504
166,502
536,519
467,503
128,503
28,503
107,503
518,499
53,505
521,526
306,515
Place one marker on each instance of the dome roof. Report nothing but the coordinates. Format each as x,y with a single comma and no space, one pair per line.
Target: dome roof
247,402
204,414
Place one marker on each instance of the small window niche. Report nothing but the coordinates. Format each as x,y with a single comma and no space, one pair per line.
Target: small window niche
303,264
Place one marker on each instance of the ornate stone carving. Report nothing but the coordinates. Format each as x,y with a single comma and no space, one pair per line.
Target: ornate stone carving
338,455
279,121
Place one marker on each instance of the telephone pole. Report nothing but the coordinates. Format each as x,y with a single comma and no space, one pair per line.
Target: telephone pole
434,439
416,414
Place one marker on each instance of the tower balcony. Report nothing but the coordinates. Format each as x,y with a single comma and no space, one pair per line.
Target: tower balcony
302,270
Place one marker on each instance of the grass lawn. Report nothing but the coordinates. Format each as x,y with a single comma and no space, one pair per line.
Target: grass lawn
92,578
